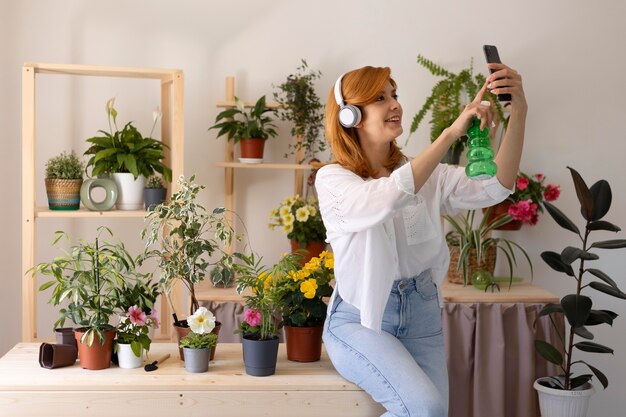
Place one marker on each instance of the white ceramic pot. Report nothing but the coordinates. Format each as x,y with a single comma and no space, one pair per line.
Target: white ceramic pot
561,403
126,357
130,191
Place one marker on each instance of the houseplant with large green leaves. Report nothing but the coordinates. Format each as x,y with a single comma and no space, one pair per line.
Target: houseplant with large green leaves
578,308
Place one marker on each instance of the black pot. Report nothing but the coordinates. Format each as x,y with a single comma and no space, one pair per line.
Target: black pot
152,197
65,336
259,356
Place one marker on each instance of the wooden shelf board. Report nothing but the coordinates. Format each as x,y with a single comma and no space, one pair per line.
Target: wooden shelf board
265,165
103,71
44,212
207,292
520,292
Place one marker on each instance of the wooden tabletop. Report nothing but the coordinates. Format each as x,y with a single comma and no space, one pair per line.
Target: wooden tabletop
520,292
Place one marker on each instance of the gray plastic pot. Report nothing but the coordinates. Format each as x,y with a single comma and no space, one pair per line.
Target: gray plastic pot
259,356
196,360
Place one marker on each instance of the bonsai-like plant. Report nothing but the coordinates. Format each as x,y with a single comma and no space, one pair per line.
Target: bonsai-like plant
190,240
238,123
87,276
595,203
126,150
300,218
65,167
466,239
448,97
154,182
301,106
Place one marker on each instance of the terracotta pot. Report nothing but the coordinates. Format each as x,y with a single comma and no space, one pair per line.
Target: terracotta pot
312,249
96,356
183,330
502,208
488,264
252,148
304,344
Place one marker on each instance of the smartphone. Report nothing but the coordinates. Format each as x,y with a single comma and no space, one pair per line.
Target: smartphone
492,56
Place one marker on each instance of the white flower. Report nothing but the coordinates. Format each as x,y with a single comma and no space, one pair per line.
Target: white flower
284,210
288,228
156,114
110,104
202,321
312,210
293,199
288,219
302,214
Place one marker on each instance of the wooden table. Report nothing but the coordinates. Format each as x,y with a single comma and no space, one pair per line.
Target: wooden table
520,292
303,389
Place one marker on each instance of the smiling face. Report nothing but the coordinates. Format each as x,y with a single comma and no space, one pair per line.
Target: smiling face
382,119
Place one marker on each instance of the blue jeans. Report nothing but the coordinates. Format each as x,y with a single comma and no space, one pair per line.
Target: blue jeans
404,367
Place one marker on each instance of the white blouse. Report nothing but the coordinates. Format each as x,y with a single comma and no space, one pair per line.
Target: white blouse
380,230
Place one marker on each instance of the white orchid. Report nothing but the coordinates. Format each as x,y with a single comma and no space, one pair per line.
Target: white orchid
202,321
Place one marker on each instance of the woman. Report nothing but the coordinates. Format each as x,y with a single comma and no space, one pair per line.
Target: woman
382,216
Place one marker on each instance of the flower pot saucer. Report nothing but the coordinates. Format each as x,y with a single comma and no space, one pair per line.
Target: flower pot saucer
251,160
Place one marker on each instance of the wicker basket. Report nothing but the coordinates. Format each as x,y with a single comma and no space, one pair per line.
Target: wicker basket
63,194
488,264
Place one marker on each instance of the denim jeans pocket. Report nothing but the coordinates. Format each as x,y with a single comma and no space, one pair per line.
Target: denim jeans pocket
428,291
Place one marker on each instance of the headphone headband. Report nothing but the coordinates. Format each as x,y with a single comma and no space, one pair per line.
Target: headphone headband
338,96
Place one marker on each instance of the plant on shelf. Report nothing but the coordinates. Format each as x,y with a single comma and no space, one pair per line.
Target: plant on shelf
64,177
188,242
448,98
86,277
128,153
578,309
300,105
300,218
197,344
154,193
474,249
250,127
133,336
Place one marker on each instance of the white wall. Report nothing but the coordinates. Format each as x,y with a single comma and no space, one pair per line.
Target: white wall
569,53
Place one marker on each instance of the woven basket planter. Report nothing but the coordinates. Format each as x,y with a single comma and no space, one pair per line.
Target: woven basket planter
488,264
63,194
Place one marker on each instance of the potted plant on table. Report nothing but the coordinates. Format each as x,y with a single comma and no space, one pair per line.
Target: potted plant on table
128,156
199,342
302,293
133,336
87,276
567,394
249,127
154,193
300,105
447,100
474,249
301,219
64,177
527,202
187,240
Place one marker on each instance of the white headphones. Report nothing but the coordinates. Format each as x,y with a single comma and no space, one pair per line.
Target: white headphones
349,115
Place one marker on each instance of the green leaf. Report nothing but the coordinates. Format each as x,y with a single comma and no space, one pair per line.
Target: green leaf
584,195
592,347
601,196
599,317
583,332
604,277
599,375
576,308
603,225
549,352
47,285
579,381
554,260
136,348
610,244
561,219
570,254
607,289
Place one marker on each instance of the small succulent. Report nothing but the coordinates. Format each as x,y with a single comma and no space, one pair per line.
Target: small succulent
65,167
154,181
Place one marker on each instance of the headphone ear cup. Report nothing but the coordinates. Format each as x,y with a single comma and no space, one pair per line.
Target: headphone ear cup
349,116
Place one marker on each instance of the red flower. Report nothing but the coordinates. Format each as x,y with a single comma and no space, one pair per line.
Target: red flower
252,317
525,211
539,177
552,192
522,183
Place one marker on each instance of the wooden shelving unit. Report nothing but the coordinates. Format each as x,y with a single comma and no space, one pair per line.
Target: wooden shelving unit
171,83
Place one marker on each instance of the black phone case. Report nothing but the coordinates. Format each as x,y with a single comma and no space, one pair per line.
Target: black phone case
492,56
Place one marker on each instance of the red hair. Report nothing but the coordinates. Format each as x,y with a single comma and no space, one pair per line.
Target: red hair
359,88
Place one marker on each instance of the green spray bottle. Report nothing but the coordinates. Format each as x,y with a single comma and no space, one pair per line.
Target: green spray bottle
479,154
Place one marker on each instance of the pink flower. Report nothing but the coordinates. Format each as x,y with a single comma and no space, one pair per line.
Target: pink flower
552,192
252,317
522,183
525,211
539,177
137,317
154,317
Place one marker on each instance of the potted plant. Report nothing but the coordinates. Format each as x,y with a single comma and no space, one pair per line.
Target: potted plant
133,336
300,105
154,193
567,390
87,276
128,156
197,344
301,219
447,99
259,329
473,249
189,241
302,293
249,127
138,290
525,204
64,177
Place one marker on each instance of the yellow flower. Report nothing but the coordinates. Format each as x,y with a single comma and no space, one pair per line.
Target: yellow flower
284,210
313,264
274,213
293,199
287,228
323,254
302,214
288,219
308,288
312,211
329,262
267,284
